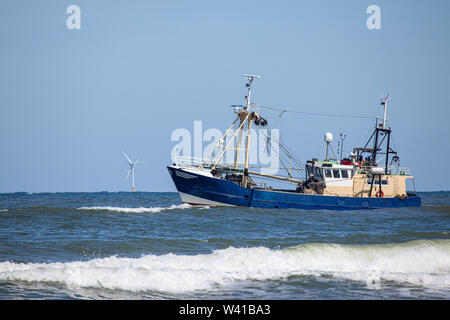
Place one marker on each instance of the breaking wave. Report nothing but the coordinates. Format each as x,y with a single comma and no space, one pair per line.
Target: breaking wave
140,209
421,262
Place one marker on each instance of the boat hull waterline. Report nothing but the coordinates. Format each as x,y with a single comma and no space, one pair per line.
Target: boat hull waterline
198,189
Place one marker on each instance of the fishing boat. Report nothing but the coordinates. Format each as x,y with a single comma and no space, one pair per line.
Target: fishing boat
358,181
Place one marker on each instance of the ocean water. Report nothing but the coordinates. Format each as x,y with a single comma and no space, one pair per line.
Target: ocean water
150,246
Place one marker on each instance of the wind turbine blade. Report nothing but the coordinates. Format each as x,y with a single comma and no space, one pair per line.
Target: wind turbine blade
129,161
128,174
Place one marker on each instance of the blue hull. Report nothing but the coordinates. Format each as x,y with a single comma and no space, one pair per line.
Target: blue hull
228,193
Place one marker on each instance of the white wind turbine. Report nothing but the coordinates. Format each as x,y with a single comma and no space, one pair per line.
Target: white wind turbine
131,170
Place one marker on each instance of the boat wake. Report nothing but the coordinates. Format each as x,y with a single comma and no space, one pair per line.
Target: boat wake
423,263
138,210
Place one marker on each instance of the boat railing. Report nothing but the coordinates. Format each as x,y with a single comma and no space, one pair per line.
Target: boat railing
401,171
196,162
188,161
392,170
223,165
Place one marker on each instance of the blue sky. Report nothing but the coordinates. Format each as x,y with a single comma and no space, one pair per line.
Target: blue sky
71,100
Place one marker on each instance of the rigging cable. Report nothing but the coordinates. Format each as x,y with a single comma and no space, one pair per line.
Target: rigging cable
314,113
285,150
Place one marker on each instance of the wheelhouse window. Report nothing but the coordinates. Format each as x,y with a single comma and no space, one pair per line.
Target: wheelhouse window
318,172
336,174
328,173
344,174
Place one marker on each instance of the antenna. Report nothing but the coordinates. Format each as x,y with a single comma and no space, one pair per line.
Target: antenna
249,87
328,137
131,170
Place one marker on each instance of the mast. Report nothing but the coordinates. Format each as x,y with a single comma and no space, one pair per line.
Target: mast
245,116
249,127
388,132
375,145
385,106
381,132
387,151
248,109
249,87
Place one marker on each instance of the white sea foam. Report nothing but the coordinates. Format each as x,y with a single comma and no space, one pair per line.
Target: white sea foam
3,210
140,209
422,262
